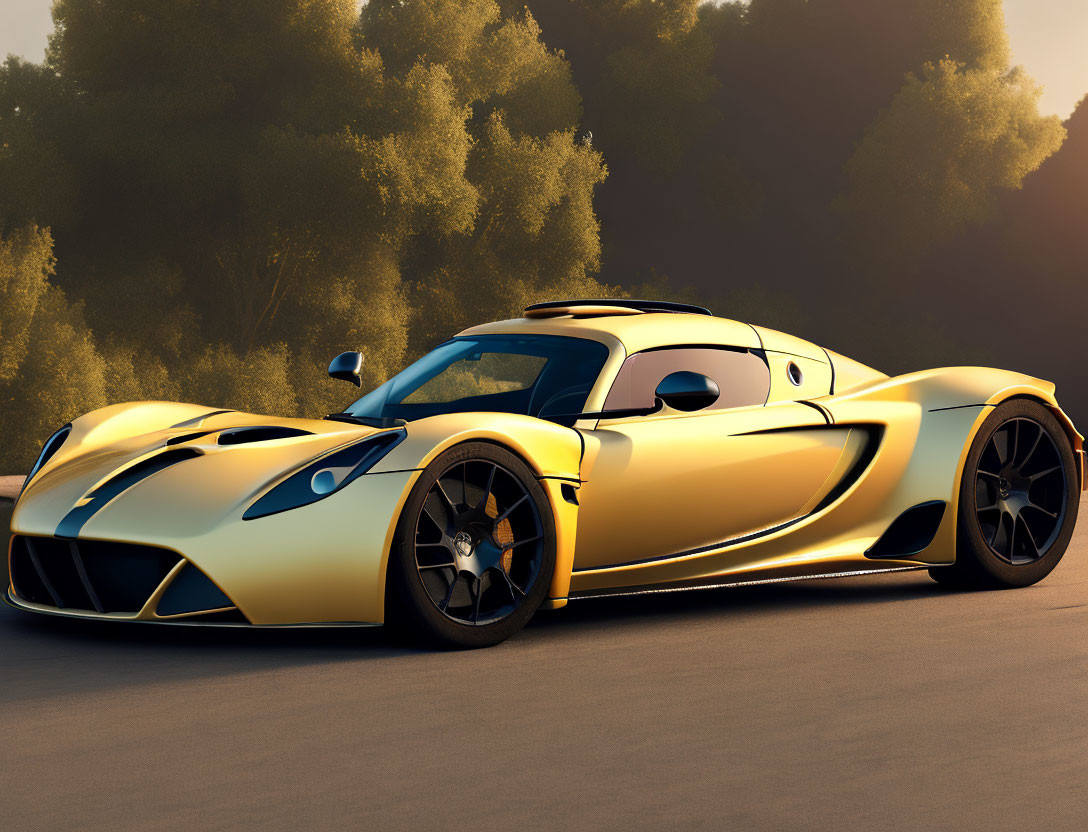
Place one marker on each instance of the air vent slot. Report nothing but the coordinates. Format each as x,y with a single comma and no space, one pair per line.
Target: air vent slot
259,433
910,533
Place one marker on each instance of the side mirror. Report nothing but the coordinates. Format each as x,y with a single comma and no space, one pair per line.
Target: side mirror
348,366
687,391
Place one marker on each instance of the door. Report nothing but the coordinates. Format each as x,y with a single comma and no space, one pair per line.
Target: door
672,483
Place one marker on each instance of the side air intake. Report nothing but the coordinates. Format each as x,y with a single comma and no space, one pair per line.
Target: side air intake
910,533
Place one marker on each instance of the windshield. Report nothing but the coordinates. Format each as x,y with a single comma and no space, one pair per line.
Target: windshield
547,376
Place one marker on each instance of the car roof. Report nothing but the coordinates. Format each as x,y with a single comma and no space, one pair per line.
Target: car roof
637,331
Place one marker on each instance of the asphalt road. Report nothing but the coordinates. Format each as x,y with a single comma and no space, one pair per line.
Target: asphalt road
863,704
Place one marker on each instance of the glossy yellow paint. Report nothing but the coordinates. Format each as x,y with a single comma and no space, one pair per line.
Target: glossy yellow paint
803,484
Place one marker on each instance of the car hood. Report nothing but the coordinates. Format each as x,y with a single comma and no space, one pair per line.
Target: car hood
204,465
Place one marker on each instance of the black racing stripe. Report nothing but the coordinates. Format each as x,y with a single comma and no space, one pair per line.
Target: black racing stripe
77,518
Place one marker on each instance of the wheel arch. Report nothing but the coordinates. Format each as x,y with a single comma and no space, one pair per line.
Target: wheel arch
1040,395
1047,400
552,453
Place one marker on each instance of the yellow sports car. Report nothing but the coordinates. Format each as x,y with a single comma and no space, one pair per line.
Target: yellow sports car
588,448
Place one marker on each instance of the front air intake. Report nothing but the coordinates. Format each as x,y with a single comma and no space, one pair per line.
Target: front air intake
87,575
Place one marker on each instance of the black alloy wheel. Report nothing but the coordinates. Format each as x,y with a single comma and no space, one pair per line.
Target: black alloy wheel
1018,501
1020,495
476,549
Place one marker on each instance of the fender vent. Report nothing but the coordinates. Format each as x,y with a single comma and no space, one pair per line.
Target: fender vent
910,532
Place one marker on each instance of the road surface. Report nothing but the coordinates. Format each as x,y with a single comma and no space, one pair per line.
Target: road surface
863,704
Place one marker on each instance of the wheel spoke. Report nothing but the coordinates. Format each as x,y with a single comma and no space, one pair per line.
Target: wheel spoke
990,507
477,593
1012,538
1041,474
464,485
1034,446
1015,446
441,525
1029,535
425,567
1038,507
997,530
516,543
514,589
482,505
982,473
445,498
506,513
449,593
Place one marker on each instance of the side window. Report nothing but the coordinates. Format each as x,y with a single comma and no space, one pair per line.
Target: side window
742,377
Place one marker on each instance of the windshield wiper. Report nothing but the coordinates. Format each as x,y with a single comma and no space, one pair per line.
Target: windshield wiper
368,421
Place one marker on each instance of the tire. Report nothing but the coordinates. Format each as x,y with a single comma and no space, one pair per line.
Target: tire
474,552
1018,501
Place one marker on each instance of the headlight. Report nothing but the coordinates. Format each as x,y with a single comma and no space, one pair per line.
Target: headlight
326,475
51,446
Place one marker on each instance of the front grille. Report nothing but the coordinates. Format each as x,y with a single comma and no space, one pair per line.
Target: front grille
87,575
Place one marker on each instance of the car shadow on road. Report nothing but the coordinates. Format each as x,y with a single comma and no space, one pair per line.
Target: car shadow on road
47,655
310,644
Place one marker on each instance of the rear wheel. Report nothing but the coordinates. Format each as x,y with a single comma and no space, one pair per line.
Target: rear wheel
1018,500
475,549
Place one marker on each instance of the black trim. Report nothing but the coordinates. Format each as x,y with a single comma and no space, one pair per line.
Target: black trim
956,407
823,411
641,305
615,414
694,346
832,365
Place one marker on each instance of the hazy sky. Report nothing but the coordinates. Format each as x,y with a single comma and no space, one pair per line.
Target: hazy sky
1049,37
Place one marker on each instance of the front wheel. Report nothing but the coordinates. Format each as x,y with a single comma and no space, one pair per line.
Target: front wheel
474,552
1018,500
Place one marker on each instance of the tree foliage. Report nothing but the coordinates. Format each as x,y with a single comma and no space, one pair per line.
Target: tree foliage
952,140
239,190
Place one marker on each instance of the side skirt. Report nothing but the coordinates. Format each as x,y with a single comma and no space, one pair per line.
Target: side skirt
719,584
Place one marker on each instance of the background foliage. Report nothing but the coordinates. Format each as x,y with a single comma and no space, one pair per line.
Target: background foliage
204,201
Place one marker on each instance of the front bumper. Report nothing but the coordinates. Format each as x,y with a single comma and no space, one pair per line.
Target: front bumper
319,564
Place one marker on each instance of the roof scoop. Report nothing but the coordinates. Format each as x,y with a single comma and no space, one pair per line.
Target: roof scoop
609,306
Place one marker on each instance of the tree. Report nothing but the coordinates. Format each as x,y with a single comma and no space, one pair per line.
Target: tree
244,186
50,371
952,140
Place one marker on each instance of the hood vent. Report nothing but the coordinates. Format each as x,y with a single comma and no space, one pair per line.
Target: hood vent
259,433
